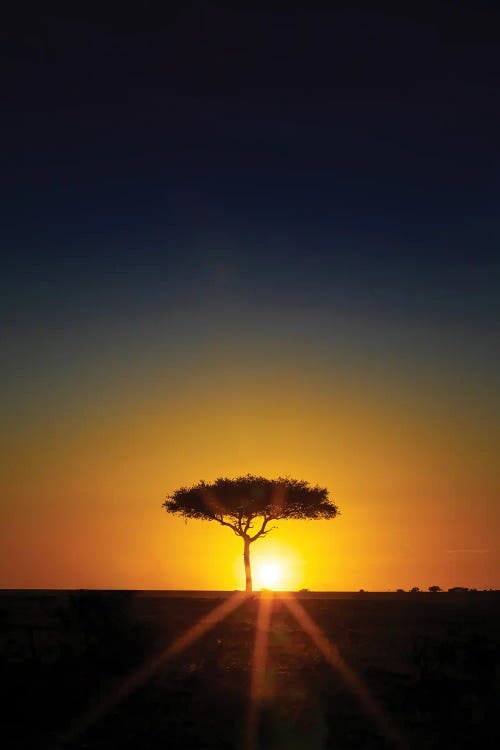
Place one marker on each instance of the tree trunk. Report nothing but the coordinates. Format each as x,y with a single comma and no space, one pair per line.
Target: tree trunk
248,570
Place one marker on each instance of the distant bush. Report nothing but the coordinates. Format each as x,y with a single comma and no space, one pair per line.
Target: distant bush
435,589
414,590
400,591
458,590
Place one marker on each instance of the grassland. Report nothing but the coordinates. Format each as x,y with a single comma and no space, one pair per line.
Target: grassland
428,661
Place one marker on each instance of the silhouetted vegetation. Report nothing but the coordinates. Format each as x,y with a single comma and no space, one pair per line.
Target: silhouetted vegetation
247,505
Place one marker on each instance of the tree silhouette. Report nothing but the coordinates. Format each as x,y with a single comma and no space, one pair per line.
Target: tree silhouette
247,505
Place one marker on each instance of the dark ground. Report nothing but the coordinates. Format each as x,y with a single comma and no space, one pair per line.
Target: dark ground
430,660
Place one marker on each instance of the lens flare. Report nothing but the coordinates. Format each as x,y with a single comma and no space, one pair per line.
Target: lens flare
147,670
259,663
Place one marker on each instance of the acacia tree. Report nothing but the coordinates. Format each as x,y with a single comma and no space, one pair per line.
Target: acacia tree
248,505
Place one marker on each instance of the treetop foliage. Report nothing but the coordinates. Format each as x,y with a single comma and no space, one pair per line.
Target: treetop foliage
237,502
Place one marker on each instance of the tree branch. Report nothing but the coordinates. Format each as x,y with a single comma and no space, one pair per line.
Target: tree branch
230,525
263,531
248,524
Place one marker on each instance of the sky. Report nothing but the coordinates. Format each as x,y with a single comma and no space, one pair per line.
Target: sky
250,241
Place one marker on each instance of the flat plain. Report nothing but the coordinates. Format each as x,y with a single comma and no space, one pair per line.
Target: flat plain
95,669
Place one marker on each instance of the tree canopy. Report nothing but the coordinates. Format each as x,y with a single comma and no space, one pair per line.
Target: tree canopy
239,503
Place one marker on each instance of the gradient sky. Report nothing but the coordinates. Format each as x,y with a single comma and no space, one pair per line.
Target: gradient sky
250,241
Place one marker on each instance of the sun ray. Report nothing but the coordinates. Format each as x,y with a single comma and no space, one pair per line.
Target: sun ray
351,679
151,666
258,681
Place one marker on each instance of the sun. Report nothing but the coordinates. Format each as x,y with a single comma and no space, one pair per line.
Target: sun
269,575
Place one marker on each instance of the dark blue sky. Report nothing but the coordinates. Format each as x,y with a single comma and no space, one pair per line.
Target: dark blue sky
331,163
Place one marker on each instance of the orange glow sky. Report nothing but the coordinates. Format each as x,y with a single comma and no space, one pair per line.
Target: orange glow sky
414,479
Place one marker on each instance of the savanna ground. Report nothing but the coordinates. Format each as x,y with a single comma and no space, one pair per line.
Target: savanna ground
73,673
